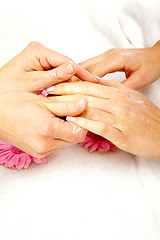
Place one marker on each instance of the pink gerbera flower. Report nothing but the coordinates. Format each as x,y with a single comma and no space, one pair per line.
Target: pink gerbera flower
95,142
13,157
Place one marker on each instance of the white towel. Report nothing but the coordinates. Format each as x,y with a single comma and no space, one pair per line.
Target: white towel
79,195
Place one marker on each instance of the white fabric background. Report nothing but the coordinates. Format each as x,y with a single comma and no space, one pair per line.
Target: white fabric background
78,195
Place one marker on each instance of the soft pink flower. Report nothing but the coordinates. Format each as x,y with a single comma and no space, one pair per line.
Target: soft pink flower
13,157
95,142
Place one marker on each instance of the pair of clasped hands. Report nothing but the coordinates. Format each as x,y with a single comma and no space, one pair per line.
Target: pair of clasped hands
111,109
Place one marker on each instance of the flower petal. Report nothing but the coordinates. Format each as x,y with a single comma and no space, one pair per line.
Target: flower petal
89,144
3,158
93,147
39,160
11,161
5,144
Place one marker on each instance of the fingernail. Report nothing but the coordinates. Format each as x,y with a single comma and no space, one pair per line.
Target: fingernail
71,119
98,77
76,129
50,89
83,103
69,69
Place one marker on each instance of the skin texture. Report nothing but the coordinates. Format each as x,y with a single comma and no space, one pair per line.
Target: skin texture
122,115
37,68
141,66
26,121
30,122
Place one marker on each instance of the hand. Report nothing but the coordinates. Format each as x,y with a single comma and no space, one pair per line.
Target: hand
141,66
124,116
30,122
37,68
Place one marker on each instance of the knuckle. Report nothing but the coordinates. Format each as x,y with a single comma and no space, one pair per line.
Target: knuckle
39,147
103,130
44,129
90,112
112,51
115,54
85,86
121,102
56,74
33,44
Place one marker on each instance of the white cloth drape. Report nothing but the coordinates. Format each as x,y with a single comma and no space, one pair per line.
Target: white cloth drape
79,195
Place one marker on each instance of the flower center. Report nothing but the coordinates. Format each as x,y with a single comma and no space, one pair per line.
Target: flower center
16,150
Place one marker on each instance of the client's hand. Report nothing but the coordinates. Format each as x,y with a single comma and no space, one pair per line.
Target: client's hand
124,116
141,66
37,68
30,122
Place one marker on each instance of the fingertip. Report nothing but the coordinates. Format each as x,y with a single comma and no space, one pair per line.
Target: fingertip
84,75
83,104
50,89
71,119
70,69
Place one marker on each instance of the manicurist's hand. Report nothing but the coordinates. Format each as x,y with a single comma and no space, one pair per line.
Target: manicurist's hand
122,115
141,66
37,68
30,122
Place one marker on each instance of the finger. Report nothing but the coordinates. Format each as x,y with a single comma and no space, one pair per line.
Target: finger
74,79
84,75
113,60
97,65
61,109
109,83
107,62
45,56
45,79
103,129
67,98
136,81
63,130
55,59
106,105
52,146
51,59
95,114
57,143
48,57
86,88
98,103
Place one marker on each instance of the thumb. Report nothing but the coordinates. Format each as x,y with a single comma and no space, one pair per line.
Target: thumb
112,63
67,108
136,81
45,79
